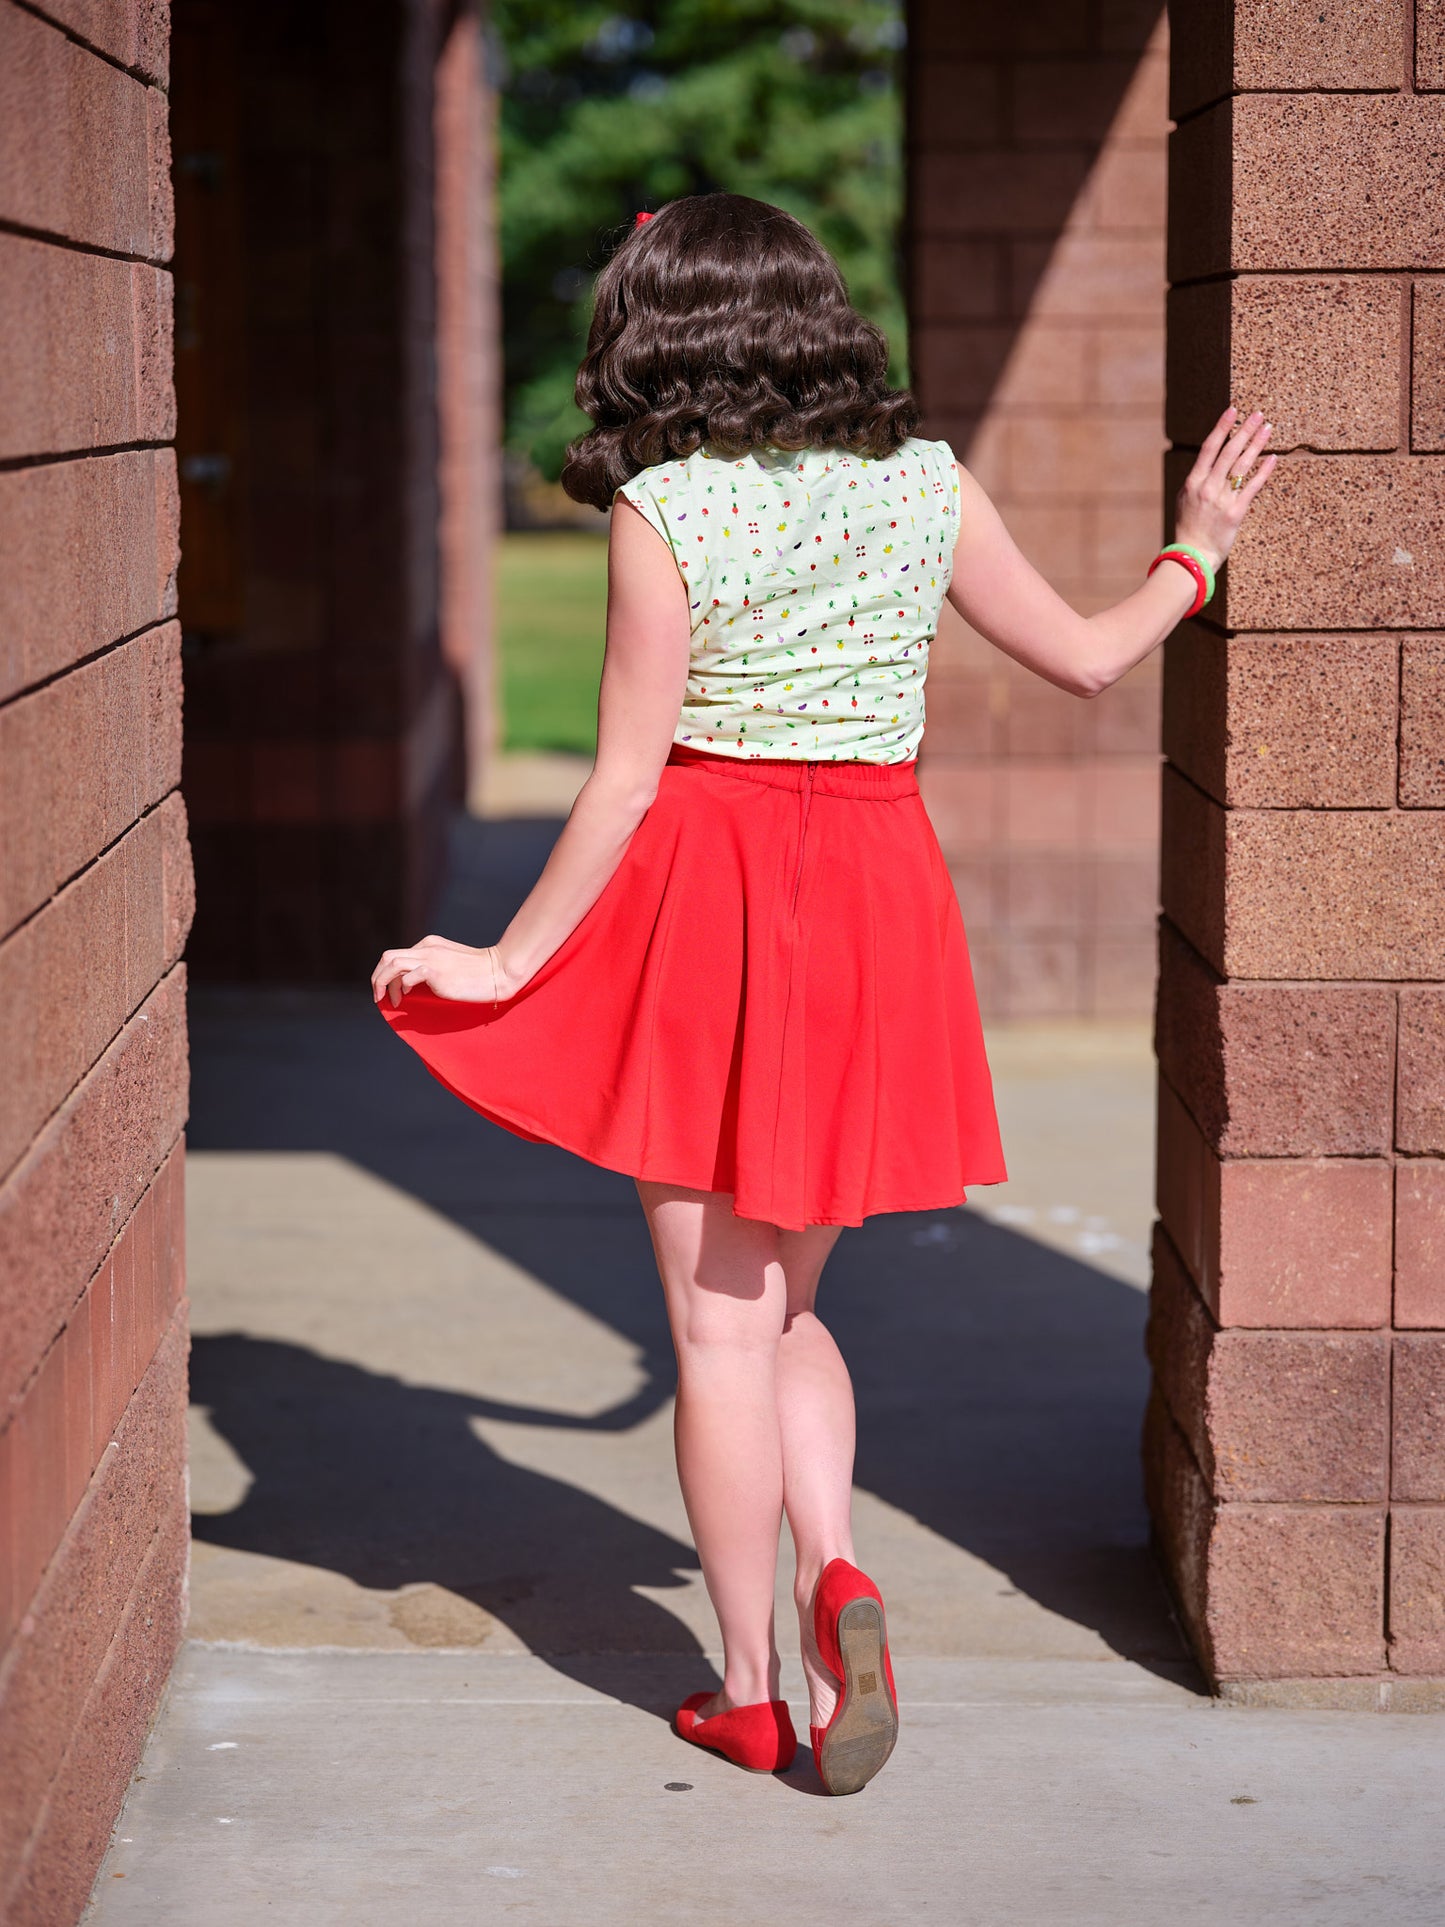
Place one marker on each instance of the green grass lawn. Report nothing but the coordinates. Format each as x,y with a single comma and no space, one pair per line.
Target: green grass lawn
551,615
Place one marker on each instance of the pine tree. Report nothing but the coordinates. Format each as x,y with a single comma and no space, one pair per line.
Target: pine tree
609,109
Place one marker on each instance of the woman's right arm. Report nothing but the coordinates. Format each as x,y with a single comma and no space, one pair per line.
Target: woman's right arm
644,680
1002,595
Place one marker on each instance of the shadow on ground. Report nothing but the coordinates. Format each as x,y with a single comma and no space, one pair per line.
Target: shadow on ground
1000,1384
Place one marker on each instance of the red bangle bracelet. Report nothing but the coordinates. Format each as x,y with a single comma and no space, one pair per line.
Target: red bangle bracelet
1201,586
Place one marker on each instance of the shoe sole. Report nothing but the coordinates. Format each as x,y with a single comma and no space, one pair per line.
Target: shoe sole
865,1728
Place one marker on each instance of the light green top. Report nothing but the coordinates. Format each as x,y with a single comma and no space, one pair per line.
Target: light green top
815,579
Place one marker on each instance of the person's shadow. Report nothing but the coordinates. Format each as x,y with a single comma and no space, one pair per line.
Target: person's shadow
1000,1384
360,1473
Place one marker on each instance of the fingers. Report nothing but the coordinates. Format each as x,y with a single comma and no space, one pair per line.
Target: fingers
1250,450
1257,481
1212,444
1228,458
394,963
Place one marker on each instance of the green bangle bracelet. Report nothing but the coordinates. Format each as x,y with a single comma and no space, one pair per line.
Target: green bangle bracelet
1185,548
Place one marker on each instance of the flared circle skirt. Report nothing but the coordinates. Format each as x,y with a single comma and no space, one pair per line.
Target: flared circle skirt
772,997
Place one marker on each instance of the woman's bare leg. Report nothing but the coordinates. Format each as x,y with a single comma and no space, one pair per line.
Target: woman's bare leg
818,1426
726,1302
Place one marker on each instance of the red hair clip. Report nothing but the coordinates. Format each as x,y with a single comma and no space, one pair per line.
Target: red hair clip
643,216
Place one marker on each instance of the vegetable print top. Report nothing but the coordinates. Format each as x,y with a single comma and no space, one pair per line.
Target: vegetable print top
815,578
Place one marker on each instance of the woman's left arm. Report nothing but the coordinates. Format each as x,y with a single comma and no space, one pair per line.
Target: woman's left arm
1002,595
644,680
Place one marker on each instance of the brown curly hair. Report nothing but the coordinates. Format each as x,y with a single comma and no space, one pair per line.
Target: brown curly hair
722,320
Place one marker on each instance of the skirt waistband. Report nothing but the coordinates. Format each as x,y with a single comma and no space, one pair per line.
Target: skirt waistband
880,781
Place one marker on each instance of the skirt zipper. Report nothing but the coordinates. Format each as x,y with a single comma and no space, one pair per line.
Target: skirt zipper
806,798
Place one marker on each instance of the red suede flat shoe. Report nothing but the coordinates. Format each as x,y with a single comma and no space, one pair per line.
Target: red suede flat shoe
760,1738
852,1636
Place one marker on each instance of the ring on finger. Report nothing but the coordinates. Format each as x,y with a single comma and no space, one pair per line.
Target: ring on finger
1238,481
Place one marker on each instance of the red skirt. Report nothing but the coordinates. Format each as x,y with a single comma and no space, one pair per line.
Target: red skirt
772,997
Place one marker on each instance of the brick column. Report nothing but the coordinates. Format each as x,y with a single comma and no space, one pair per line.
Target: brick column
1036,293
323,739
95,896
1295,1446
469,373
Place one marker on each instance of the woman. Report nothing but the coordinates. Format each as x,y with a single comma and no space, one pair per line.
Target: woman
742,976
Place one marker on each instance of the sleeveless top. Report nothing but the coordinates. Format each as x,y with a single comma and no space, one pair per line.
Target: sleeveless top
815,578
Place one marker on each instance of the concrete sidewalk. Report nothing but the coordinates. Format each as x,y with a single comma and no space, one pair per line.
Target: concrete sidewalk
443,1595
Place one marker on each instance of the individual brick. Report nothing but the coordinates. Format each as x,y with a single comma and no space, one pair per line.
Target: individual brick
59,1208
1296,1591
1048,26
1053,101
972,364
1222,1047
1129,369
89,362
135,33
1267,182
1285,1416
1065,454
92,550
1128,188
1338,893
1335,532
956,280
1045,805
1422,722
958,363
1129,26
1090,276
1430,44
1284,722
1285,45
81,758
1304,894
1044,723
1320,357
1417,1589
1192,861
1046,363
84,150
1194,698
1427,367
957,103
1267,1591
957,192
1418,1450
1420,1094
1126,537
1276,1243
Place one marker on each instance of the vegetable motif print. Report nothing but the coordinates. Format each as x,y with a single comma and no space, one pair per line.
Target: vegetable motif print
815,578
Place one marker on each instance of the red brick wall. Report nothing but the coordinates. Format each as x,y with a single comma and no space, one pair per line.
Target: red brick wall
1297,1469
1036,271
95,901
